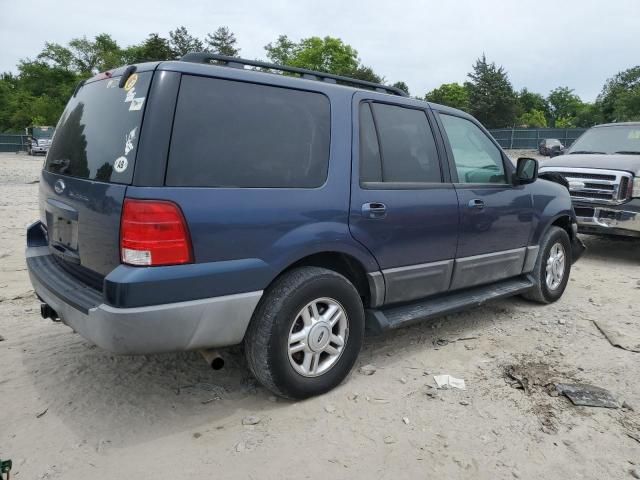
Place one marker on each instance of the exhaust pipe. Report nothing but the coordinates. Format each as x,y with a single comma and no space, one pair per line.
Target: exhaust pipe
213,358
47,312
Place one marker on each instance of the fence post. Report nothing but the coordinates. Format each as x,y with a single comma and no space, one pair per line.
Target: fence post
512,131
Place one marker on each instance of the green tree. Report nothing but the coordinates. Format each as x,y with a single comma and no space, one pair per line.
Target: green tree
367,74
328,54
450,94
402,86
533,118
223,42
154,48
97,55
182,42
620,96
564,105
492,99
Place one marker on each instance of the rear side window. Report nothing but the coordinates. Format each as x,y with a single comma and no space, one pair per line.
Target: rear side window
97,135
243,135
406,150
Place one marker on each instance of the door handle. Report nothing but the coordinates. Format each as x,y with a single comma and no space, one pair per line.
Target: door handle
374,210
476,203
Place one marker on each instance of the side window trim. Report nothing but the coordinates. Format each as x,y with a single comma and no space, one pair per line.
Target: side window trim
445,179
453,171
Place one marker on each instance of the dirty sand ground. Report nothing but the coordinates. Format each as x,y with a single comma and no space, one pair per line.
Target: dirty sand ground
71,411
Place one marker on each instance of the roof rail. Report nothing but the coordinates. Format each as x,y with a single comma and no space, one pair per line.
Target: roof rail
303,72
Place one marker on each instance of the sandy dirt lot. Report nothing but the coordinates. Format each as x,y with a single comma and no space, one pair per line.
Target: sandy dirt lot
69,410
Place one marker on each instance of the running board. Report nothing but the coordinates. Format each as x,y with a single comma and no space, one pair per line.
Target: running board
400,316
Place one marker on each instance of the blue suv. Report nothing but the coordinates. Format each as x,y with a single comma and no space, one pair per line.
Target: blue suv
196,204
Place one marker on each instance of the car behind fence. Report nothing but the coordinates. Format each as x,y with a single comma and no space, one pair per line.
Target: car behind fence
529,138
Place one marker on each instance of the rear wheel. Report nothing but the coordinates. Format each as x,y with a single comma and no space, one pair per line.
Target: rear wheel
552,268
306,333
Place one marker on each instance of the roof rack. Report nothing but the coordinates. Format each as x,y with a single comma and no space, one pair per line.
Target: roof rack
303,72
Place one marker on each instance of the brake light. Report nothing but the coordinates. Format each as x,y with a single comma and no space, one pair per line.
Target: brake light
154,232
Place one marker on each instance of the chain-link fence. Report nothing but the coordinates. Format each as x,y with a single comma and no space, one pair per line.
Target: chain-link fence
529,138
13,143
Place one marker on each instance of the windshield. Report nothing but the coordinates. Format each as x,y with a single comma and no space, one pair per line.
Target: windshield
615,139
97,135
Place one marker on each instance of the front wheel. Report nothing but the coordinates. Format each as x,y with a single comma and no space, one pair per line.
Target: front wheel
552,268
306,333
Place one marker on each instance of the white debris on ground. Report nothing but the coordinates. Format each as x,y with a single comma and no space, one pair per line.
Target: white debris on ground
170,416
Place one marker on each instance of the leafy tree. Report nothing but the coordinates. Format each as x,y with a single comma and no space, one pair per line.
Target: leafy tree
402,86
533,118
620,96
492,99
93,56
564,104
367,74
529,101
588,115
282,50
181,42
450,94
223,42
154,48
328,54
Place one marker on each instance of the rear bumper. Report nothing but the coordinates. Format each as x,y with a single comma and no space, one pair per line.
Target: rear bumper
180,326
618,220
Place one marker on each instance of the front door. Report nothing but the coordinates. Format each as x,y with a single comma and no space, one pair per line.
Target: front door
404,209
495,216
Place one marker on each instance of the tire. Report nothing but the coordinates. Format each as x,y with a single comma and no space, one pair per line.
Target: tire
545,291
280,316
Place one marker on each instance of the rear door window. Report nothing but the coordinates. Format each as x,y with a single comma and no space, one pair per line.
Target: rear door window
97,135
397,145
243,135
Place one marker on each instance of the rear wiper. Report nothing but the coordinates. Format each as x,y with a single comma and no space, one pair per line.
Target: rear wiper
585,152
628,152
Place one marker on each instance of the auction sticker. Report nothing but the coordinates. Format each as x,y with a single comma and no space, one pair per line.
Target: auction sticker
120,165
136,103
131,81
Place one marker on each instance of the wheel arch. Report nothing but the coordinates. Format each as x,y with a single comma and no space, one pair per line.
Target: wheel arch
370,285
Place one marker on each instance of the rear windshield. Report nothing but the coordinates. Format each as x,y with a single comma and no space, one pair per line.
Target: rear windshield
97,135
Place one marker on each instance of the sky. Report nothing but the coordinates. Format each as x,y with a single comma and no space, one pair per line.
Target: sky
541,43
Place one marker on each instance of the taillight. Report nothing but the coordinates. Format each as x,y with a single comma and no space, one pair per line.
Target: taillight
154,232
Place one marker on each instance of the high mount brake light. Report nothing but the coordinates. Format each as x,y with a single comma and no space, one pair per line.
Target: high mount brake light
152,233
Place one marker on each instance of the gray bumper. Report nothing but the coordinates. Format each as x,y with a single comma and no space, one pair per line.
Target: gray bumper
192,325
608,221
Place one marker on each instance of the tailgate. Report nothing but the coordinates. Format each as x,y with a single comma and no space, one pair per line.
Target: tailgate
89,165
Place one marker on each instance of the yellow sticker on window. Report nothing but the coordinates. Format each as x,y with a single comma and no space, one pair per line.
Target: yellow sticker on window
131,81
634,135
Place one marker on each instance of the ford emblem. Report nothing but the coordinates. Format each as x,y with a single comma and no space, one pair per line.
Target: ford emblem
59,186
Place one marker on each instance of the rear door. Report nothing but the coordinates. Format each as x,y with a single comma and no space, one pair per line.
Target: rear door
88,167
495,216
404,208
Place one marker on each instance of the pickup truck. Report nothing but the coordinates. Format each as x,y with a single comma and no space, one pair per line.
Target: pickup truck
602,169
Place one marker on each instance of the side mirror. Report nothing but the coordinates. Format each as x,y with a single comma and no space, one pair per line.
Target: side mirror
526,170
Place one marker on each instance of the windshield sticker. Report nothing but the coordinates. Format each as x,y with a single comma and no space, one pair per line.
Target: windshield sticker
136,103
128,141
634,135
131,94
111,83
120,165
131,82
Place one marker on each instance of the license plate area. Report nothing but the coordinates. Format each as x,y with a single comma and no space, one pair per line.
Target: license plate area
64,232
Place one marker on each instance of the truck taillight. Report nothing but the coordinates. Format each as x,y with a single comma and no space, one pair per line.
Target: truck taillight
154,232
